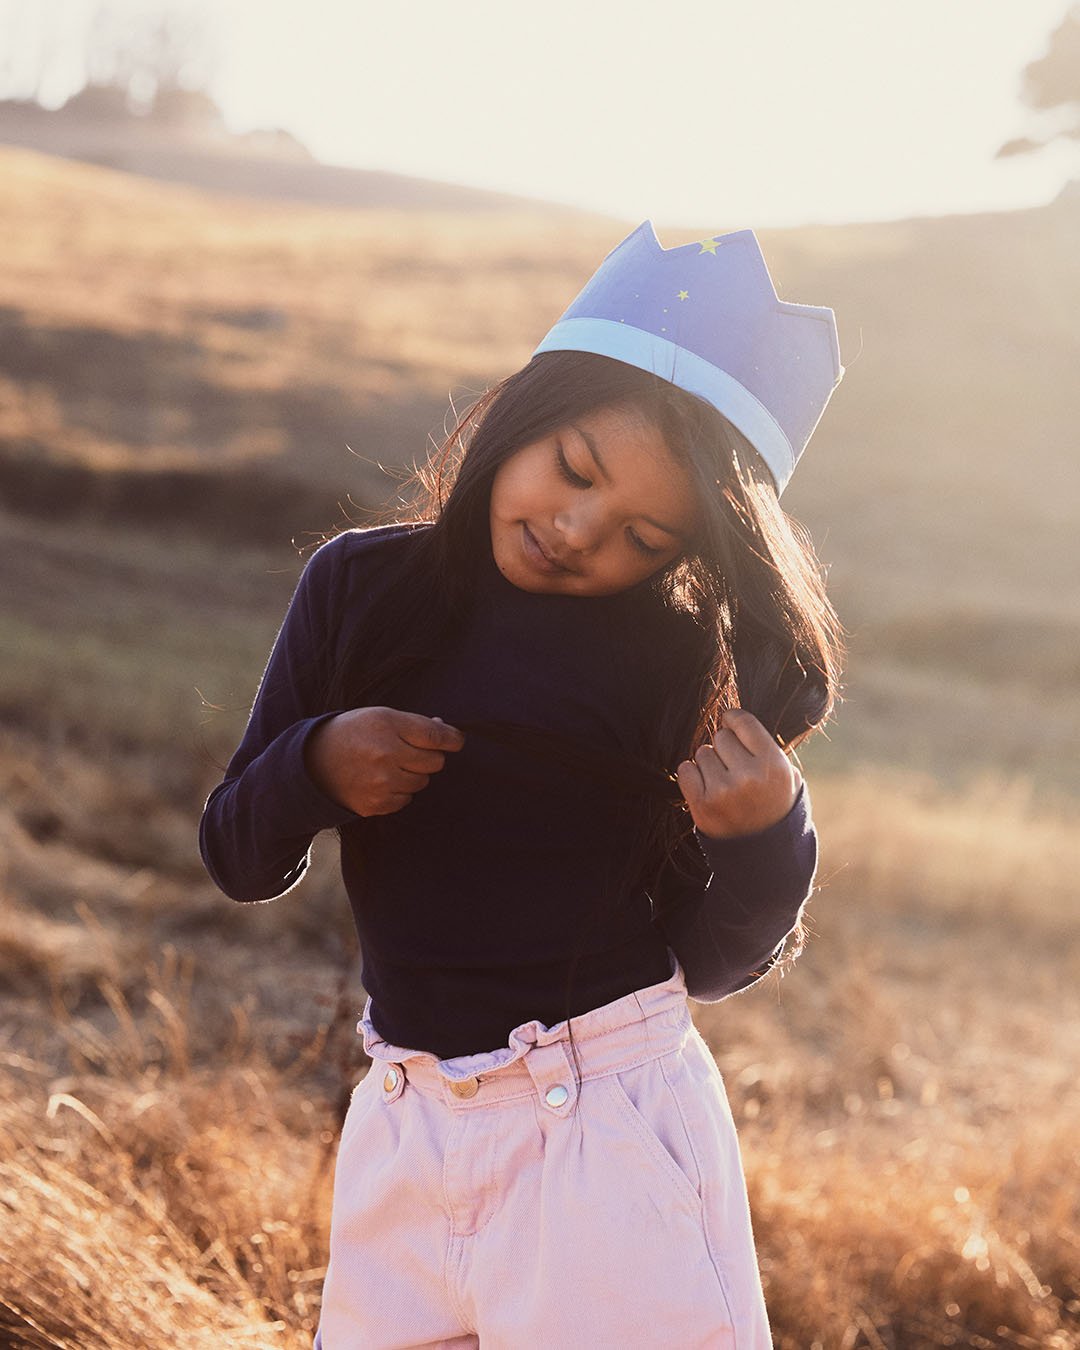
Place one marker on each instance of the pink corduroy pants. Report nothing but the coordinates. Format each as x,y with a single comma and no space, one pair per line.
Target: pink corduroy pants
505,1200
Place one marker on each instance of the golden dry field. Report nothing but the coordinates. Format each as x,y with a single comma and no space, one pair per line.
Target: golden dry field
191,383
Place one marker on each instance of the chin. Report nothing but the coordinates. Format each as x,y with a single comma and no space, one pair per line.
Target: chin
525,580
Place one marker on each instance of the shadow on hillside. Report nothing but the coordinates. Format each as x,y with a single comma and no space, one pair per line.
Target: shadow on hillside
148,432
229,505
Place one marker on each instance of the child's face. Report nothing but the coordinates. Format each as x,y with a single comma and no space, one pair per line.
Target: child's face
592,508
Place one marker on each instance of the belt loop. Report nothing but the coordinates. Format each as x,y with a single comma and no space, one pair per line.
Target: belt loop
553,1075
644,1020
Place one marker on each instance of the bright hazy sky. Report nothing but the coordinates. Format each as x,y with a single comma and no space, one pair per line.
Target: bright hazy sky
762,113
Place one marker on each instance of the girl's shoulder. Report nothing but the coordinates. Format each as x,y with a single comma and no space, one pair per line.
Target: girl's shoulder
351,554
346,572
363,542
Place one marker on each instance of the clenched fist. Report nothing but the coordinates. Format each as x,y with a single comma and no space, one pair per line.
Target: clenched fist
740,782
373,760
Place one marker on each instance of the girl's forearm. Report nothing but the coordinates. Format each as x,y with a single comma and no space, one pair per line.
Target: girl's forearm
256,829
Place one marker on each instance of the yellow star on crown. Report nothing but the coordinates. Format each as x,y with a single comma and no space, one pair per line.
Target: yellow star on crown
708,246
684,295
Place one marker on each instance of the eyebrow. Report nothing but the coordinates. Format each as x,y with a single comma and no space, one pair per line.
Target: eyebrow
590,441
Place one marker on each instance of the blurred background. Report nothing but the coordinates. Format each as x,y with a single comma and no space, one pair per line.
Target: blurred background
253,254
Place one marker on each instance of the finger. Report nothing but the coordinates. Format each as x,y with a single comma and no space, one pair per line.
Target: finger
421,761
428,733
691,783
730,750
711,767
406,781
707,759
748,729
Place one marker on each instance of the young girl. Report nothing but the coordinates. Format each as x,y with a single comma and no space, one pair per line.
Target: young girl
551,721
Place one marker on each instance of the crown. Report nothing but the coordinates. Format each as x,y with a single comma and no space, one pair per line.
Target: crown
706,317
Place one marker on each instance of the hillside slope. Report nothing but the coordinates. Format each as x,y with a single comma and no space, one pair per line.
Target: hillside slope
153,326
266,165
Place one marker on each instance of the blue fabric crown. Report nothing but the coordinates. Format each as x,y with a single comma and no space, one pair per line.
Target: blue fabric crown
707,318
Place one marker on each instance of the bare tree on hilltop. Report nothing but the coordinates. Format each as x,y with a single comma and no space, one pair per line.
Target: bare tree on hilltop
1051,84
123,62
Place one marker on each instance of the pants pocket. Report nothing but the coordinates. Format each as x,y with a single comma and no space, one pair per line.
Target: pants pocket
646,1102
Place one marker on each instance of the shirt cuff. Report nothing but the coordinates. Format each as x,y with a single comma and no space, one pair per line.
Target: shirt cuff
305,803
773,866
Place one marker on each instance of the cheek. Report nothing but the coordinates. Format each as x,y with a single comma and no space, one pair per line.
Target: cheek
624,567
503,495
519,489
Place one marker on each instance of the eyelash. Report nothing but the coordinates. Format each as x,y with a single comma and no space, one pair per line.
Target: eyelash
641,545
576,480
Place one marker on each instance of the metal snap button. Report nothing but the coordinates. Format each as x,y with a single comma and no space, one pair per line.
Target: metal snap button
390,1082
467,1087
556,1096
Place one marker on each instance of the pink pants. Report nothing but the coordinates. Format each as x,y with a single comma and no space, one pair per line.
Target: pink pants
499,1200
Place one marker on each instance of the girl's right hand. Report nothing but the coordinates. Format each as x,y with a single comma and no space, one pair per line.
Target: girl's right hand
373,760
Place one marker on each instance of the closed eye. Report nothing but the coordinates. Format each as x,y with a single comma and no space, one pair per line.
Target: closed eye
641,545
575,479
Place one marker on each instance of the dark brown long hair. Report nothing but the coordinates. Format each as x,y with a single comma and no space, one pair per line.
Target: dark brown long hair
771,640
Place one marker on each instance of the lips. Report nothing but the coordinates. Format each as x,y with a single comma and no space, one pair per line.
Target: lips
538,556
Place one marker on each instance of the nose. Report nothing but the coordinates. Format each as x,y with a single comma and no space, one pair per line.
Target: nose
580,526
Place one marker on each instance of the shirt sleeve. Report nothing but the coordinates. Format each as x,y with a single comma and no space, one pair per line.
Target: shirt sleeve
729,919
258,824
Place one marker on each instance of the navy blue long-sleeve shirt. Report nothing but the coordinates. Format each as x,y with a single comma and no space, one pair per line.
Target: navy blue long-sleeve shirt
470,901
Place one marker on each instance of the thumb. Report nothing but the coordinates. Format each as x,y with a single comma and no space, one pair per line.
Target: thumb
427,733
457,737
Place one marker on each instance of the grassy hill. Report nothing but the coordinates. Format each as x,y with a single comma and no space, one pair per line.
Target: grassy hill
189,383
148,327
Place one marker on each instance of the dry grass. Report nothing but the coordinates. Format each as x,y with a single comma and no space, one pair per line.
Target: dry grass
907,1107
905,1096
149,1203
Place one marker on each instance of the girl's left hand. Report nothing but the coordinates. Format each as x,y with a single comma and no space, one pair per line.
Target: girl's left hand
741,782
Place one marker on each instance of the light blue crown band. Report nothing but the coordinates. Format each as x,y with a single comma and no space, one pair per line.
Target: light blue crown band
659,356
